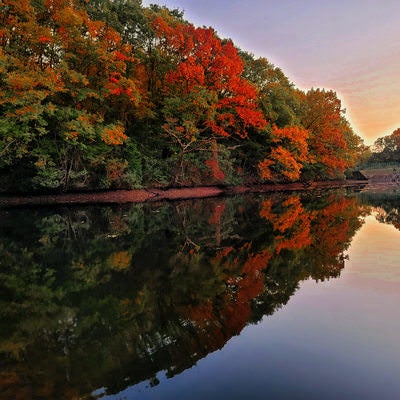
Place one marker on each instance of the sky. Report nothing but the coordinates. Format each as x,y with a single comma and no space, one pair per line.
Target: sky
350,46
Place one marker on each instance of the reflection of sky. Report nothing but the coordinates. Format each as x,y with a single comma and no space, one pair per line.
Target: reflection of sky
351,46
375,254
336,339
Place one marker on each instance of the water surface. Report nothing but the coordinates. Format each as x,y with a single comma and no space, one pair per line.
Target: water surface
277,296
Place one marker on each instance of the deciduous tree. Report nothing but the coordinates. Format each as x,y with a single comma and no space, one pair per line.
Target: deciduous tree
206,79
287,156
323,118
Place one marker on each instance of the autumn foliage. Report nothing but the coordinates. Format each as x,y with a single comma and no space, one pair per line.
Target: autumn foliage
204,61
289,152
82,85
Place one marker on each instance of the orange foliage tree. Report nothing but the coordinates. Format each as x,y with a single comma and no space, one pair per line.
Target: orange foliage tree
328,145
289,152
205,94
291,225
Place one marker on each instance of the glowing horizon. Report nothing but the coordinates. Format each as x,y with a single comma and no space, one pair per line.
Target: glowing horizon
350,46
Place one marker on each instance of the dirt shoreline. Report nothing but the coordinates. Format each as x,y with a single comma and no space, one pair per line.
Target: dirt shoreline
147,195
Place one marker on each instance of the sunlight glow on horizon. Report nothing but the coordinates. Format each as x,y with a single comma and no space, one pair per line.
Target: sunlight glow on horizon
349,46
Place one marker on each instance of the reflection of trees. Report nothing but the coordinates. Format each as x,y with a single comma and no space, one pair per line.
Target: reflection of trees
386,206
110,296
389,215
291,223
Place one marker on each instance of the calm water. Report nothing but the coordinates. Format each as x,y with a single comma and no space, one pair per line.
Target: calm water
262,297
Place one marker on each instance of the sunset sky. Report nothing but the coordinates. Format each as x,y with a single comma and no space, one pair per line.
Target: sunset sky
351,46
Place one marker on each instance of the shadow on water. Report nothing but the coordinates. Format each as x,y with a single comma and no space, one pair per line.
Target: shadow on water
106,297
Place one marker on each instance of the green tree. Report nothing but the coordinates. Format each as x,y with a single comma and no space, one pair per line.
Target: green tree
387,148
277,96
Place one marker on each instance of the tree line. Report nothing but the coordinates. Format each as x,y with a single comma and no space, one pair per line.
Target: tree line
106,94
386,149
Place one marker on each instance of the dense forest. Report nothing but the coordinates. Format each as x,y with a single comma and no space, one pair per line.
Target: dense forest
99,94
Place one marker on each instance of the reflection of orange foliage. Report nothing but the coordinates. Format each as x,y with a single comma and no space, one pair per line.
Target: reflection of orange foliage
328,229
256,263
332,224
120,260
213,330
266,210
236,313
218,326
294,223
201,314
300,239
233,262
293,210
217,319
235,316
231,314
252,283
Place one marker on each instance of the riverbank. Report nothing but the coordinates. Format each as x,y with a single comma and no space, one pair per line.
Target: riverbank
147,195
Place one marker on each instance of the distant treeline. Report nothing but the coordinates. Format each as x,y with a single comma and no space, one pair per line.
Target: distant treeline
385,150
98,94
